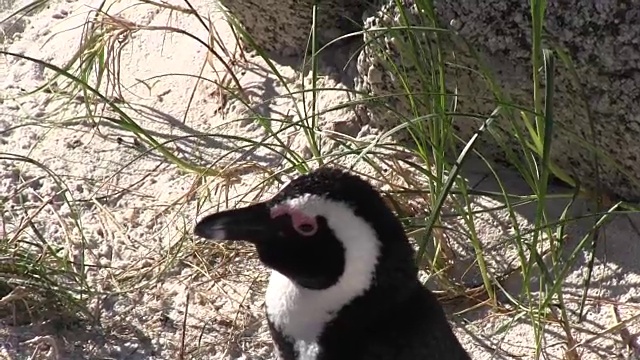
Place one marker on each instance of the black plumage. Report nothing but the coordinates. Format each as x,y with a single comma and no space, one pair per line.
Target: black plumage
392,317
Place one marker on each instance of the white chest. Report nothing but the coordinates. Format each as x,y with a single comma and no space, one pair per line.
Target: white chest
301,314
298,313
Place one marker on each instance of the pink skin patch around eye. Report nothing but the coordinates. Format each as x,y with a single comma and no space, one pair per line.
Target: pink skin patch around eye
302,223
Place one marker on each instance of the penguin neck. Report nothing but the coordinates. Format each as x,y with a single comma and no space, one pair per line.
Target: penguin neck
301,313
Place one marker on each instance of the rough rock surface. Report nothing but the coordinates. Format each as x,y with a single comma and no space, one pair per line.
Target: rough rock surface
602,41
284,27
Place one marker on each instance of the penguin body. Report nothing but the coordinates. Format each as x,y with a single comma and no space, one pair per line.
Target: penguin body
343,284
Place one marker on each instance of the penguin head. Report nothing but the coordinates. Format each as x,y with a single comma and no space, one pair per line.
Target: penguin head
323,229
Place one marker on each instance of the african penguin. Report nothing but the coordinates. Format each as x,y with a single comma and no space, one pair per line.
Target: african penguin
343,283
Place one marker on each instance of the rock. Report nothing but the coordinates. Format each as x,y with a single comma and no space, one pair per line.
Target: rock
10,28
601,39
284,27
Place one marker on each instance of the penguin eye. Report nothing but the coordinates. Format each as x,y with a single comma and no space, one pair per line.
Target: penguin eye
302,223
306,228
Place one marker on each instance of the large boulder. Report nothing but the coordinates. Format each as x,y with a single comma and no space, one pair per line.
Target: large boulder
602,39
283,27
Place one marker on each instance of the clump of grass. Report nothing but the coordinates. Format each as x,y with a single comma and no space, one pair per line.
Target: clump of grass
427,167
37,278
433,139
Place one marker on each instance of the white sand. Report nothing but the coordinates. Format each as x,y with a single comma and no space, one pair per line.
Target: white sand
135,237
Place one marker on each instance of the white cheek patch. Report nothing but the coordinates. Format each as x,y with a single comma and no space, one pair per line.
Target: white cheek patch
301,313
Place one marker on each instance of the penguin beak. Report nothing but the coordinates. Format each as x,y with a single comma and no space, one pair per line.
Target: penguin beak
252,223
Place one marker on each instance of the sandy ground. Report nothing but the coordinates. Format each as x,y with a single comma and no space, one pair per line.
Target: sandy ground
169,293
